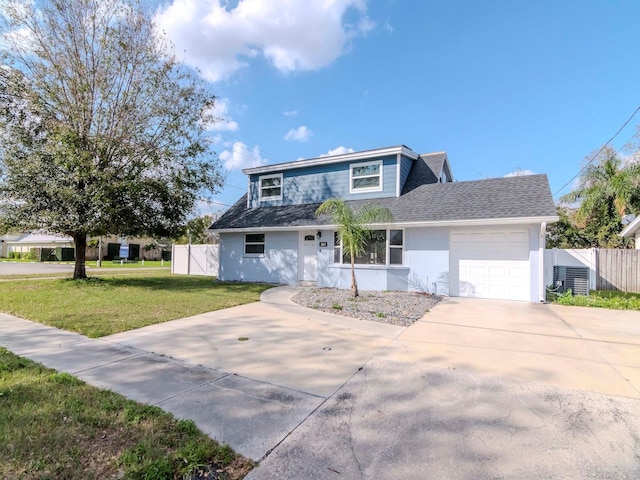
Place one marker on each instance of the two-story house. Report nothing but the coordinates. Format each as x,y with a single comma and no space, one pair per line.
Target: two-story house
481,238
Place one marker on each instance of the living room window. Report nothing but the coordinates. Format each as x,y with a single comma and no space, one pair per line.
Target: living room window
254,244
271,187
365,177
379,242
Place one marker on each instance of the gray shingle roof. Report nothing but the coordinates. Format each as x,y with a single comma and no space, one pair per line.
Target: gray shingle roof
435,161
420,201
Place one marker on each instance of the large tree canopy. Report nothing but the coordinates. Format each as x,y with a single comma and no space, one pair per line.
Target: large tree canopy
101,129
608,189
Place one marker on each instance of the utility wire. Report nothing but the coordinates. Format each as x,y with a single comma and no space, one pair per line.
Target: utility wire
598,152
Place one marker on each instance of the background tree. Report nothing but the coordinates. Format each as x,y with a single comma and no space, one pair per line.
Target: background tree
196,231
102,131
608,190
564,233
354,228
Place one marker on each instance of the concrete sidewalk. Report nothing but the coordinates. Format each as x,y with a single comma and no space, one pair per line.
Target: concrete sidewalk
243,393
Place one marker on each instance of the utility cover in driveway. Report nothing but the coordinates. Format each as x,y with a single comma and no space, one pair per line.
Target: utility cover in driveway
491,264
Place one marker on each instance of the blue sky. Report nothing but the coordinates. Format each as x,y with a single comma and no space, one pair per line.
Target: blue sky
499,85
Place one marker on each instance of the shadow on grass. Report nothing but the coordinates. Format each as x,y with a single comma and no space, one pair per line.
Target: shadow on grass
173,283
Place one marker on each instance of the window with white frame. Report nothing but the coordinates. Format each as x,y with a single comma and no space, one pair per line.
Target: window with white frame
396,247
383,247
270,187
254,244
365,177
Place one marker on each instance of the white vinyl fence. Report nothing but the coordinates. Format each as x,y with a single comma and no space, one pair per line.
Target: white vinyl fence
195,260
586,257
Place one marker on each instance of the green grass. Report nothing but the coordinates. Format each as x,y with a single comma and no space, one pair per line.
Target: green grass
105,263
602,299
53,425
93,273
107,305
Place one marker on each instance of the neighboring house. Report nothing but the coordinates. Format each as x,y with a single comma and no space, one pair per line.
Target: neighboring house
633,231
481,238
60,247
4,244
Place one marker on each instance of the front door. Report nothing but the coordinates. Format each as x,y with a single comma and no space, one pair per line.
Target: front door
308,257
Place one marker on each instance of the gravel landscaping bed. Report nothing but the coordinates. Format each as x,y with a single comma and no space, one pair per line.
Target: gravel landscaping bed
396,308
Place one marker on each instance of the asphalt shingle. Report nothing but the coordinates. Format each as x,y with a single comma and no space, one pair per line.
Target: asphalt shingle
422,200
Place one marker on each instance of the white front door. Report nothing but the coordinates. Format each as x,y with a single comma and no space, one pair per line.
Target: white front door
308,257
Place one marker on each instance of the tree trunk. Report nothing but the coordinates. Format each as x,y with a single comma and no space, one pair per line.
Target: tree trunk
80,270
354,283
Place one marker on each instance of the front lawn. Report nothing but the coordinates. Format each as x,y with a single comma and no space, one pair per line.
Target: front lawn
107,305
602,299
53,425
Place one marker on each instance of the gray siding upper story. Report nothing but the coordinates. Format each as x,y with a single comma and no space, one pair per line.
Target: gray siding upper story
315,184
405,168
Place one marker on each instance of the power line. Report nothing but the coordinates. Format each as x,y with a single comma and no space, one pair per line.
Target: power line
598,152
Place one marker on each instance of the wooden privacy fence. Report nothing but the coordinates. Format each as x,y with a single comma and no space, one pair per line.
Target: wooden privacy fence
618,269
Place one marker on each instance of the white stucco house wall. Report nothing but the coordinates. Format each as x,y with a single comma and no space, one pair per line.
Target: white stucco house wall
633,231
481,238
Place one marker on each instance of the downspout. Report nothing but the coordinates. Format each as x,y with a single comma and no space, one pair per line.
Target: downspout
541,245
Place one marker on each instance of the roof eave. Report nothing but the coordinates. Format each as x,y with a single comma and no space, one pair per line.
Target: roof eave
434,223
345,157
632,228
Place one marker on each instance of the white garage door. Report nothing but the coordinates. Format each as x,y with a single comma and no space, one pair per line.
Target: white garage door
490,264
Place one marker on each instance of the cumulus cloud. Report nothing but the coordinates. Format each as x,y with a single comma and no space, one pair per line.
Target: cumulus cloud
518,172
338,151
300,134
290,113
292,35
240,156
223,121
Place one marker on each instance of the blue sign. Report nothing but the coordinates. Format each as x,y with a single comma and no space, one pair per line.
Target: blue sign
124,251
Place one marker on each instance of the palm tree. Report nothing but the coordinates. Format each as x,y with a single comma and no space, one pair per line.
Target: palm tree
353,228
607,191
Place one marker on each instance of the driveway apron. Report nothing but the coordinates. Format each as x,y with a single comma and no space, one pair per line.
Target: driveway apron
588,349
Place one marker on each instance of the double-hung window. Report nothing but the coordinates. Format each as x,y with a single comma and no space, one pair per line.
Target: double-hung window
270,187
396,247
254,244
365,177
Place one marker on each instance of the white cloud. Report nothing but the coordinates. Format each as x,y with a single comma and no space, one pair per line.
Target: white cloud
290,113
223,122
240,156
293,35
338,151
300,134
518,172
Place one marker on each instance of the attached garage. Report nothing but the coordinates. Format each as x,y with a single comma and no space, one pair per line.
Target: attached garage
491,264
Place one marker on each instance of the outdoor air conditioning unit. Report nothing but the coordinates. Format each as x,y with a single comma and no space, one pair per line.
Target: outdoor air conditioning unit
575,279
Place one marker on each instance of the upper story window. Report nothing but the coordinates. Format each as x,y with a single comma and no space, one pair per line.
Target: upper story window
270,187
365,177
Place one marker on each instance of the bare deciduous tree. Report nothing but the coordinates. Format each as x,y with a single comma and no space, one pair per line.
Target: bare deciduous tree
102,130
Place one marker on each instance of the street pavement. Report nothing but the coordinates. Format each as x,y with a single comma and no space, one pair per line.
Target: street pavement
475,389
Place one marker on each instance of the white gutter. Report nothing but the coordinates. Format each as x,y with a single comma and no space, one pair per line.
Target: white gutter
542,292
447,223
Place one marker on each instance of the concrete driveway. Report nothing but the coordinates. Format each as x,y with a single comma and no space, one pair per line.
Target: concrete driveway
481,389
589,349
475,389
